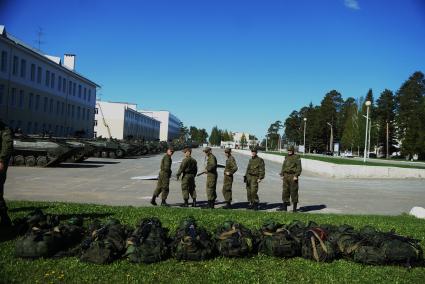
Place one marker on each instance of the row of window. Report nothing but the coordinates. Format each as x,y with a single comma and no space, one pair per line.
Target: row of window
35,102
31,127
19,68
141,118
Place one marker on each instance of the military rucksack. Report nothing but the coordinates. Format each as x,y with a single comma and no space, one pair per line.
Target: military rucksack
36,219
277,240
234,240
345,239
192,242
105,244
315,246
148,243
49,242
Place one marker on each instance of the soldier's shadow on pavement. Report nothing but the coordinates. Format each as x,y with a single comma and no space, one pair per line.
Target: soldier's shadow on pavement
99,162
309,208
78,166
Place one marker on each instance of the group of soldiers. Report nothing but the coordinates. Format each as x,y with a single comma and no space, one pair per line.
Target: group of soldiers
255,173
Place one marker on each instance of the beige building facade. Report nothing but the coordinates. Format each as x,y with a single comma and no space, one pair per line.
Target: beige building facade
41,93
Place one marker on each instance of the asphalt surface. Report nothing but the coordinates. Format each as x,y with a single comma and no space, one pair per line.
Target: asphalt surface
107,181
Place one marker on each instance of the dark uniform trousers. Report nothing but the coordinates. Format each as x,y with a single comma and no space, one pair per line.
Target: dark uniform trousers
188,186
163,185
290,189
252,188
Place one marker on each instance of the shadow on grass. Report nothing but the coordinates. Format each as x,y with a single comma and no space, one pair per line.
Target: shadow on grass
27,208
8,233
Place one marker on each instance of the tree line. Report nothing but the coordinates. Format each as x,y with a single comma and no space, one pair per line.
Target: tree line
218,135
397,121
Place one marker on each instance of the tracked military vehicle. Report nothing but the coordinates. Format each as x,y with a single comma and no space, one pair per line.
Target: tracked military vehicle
83,151
40,152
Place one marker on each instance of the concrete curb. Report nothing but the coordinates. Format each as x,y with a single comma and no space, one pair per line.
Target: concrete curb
347,171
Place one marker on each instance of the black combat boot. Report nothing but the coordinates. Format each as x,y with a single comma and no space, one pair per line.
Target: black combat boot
255,206
283,207
249,206
208,206
294,207
212,204
164,203
153,200
186,203
194,202
228,205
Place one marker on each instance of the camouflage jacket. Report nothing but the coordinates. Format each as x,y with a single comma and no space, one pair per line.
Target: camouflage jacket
211,167
166,165
291,165
6,143
231,165
188,166
256,167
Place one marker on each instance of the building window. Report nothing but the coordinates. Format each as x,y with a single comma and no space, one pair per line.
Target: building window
88,114
96,110
89,99
37,102
32,76
47,78
3,61
95,134
59,83
69,87
51,106
85,93
23,68
45,104
68,110
39,74
74,88
15,65
30,101
29,127
95,122
13,97
64,85
78,112
52,83
21,98
72,111
79,91
1,94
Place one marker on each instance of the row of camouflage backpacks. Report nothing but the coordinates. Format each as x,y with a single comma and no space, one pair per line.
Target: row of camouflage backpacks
150,242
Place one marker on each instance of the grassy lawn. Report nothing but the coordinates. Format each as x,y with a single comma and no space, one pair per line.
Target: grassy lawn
259,269
348,161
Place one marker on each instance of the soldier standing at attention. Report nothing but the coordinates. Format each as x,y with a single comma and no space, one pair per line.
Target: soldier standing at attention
163,185
291,170
6,149
229,171
211,171
254,174
188,169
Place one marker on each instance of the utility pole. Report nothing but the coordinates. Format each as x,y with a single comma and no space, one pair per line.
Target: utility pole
266,143
331,140
367,103
370,127
305,125
388,134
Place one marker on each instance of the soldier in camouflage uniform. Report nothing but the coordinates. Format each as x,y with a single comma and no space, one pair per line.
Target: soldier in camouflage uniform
255,173
291,170
211,171
6,148
229,171
188,170
163,185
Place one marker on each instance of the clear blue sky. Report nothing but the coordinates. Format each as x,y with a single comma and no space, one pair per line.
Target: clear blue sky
240,65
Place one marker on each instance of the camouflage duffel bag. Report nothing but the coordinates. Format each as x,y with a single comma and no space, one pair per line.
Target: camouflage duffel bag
105,244
148,243
315,246
400,250
48,242
36,219
369,255
192,242
234,240
345,239
276,240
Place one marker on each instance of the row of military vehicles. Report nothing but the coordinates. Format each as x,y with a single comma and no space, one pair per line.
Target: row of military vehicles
37,151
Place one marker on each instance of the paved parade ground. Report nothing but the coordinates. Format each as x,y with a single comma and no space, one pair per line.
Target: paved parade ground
107,181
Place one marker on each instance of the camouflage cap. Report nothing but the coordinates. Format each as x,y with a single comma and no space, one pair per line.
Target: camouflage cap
207,149
254,149
227,150
291,148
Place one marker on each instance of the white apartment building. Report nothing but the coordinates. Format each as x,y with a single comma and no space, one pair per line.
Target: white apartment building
170,124
41,93
237,136
121,120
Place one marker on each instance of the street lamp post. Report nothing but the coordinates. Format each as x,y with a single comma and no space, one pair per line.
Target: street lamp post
332,138
305,125
367,103
266,143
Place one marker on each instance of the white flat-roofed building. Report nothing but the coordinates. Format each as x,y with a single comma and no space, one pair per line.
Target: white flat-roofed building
251,140
41,93
121,120
170,124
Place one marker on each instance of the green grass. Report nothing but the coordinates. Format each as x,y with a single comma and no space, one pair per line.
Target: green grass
348,161
258,269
